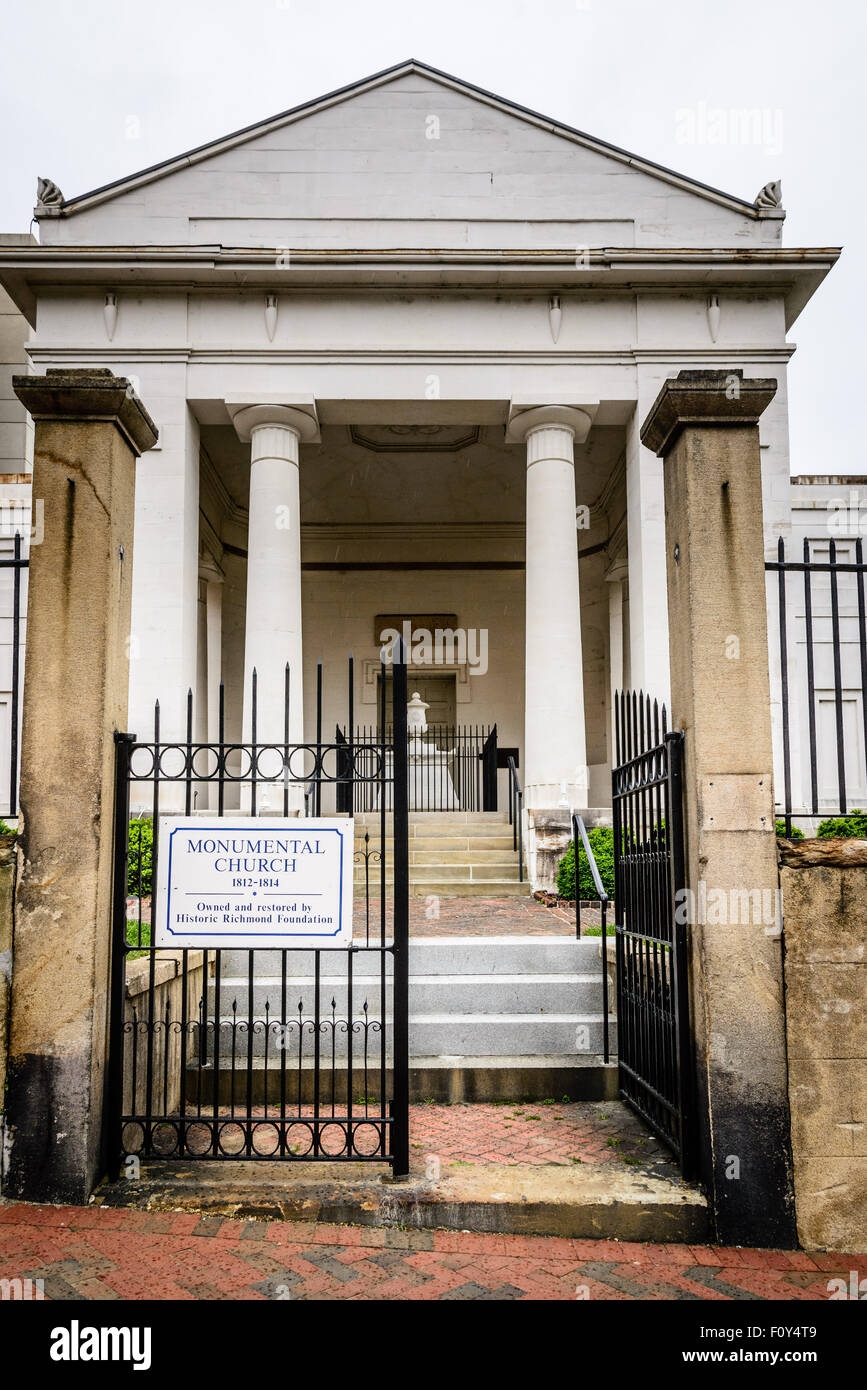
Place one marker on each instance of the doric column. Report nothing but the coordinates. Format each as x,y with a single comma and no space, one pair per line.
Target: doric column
273,621
209,690
615,577
213,578
555,758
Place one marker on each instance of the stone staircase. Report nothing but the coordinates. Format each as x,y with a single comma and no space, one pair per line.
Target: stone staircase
491,1017
458,854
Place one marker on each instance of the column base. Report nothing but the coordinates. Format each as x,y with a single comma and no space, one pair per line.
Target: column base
572,795
548,835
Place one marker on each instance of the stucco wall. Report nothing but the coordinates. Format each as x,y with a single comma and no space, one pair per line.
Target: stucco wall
825,914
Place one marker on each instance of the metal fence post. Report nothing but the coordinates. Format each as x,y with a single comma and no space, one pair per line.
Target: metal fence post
400,1038
679,950
113,1110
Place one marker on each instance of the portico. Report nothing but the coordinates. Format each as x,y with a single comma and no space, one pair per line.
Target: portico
416,394
504,574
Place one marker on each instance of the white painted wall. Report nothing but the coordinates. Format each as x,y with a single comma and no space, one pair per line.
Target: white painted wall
365,172
16,468
824,508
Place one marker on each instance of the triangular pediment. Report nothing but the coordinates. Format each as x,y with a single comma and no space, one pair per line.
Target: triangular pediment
407,158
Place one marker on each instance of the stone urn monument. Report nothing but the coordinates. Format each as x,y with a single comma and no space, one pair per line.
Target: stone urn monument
428,768
430,779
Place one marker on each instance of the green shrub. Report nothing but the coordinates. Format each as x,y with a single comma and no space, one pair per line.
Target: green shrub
601,840
141,841
851,827
794,834
141,943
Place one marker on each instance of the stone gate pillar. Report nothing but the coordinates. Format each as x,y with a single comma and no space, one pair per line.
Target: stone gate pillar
705,427
90,428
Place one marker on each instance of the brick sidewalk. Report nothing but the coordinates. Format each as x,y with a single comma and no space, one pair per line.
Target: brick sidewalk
100,1253
480,917
436,916
536,1132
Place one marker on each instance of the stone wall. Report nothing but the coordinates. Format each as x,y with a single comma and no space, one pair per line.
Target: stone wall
168,1003
825,914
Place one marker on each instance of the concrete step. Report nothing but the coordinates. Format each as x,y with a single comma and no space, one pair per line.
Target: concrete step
441,824
436,955
430,1035
444,844
476,856
576,1201
508,1035
428,994
582,1076
465,888
445,871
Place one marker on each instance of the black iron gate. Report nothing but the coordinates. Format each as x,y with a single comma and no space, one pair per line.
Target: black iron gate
653,1027
461,774
294,1054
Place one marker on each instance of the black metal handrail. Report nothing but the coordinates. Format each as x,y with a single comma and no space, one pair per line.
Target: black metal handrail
516,816
579,832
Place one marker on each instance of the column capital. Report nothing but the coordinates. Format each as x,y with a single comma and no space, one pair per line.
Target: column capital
617,571
295,412
210,571
704,398
88,394
526,416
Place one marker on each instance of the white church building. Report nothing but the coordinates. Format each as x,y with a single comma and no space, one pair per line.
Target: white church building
399,342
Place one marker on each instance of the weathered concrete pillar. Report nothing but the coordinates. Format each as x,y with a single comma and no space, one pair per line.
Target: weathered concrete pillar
705,427
90,428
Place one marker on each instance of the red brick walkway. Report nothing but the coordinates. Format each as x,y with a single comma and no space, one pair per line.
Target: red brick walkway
100,1253
536,1132
480,917
436,916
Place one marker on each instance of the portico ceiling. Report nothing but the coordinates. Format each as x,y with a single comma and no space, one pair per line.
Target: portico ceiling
342,481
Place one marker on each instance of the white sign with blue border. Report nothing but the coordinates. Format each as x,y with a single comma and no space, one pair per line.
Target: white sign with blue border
248,881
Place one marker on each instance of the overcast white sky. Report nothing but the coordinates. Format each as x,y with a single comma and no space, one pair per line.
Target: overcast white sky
93,90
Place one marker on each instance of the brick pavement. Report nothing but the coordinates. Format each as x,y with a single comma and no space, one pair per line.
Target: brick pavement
436,916
536,1132
102,1253
481,917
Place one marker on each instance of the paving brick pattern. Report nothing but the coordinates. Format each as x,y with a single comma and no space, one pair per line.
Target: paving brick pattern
536,1132
435,916
103,1253
539,1132
480,917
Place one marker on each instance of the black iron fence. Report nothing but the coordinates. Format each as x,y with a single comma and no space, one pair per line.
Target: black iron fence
17,563
452,767
821,649
288,1053
653,1031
